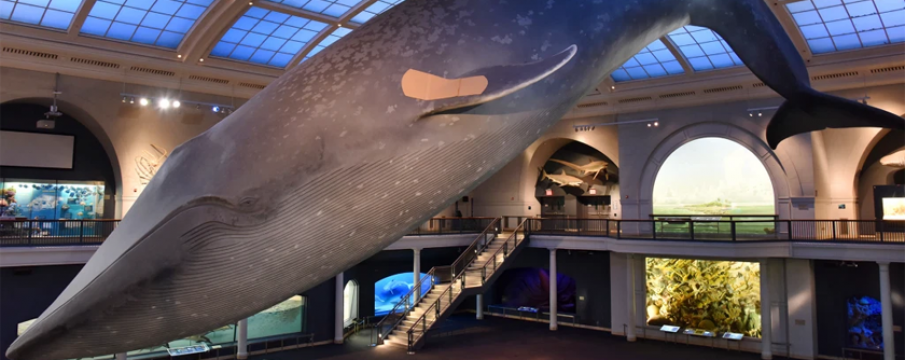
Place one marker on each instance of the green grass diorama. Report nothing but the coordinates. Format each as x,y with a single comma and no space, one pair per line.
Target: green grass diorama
718,208
721,296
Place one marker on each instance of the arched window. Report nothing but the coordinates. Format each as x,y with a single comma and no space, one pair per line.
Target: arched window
350,302
713,176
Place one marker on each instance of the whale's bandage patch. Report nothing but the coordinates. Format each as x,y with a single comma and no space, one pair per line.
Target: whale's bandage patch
423,86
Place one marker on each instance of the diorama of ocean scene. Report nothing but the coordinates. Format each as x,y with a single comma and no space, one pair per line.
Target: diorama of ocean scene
717,296
389,291
53,200
865,327
713,177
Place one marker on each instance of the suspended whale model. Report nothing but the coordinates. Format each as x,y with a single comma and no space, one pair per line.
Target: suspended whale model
334,161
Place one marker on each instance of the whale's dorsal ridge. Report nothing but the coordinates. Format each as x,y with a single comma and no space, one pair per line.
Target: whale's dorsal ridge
503,80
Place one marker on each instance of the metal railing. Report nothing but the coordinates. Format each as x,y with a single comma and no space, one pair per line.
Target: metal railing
476,247
392,319
55,232
449,226
860,231
500,255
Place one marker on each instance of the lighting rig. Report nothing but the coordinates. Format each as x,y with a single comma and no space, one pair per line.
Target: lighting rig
165,103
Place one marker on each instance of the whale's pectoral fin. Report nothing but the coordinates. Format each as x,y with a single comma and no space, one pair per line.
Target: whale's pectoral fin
812,111
482,85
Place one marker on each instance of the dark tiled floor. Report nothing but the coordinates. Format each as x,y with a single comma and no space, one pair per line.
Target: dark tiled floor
464,338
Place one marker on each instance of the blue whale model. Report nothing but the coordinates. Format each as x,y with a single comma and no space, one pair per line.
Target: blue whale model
334,161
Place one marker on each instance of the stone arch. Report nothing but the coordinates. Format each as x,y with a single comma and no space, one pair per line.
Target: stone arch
783,178
91,123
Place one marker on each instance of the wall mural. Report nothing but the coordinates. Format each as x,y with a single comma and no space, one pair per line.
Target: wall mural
713,176
865,327
389,291
702,294
146,166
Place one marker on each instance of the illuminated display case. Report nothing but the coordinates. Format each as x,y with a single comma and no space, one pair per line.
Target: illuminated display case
51,200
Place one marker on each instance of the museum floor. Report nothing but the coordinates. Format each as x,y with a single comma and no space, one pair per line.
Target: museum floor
464,338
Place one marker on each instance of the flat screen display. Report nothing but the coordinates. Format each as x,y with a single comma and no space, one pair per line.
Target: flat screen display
36,150
669,328
894,208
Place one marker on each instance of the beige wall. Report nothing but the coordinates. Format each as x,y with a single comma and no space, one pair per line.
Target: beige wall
125,131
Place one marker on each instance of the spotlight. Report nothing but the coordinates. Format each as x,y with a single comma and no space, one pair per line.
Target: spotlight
215,108
143,101
593,127
656,123
176,104
750,114
648,125
179,56
760,114
201,60
163,103
131,100
613,87
124,99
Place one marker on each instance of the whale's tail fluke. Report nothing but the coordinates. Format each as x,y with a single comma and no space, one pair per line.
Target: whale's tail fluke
813,111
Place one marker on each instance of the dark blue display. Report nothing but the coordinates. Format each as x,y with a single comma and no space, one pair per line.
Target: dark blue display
530,287
389,291
865,329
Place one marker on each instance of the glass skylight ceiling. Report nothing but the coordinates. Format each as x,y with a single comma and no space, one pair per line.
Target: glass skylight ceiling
703,48
335,8
267,37
330,39
654,61
375,9
55,14
833,25
153,22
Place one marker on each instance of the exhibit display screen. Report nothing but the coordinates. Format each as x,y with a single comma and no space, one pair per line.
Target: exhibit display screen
51,200
713,176
865,325
713,296
389,291
894,208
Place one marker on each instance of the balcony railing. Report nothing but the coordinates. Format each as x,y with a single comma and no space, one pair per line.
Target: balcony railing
861,231
94,232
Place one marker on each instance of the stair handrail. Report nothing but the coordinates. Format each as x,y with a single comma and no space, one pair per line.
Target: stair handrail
404,302
475,248
515,243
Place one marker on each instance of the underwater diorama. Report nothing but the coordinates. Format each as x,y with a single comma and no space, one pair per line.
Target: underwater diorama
51,200
865,329
389,291
529,288
702,294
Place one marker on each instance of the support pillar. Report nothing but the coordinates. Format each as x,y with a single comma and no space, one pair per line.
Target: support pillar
889,345
766,315
553,291
417,271
242,339
479,309
120,356
630,291
338,311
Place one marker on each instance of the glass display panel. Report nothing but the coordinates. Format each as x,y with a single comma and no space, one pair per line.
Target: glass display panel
282,318
894,208
51,200
704,295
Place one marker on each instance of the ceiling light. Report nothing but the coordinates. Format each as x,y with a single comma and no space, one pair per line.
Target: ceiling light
131,100
656,123
163,103
176,104
760,114
750,114
143,101
215,108
648,125
124,99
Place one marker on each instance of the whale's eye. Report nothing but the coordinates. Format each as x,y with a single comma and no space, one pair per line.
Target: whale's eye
248,201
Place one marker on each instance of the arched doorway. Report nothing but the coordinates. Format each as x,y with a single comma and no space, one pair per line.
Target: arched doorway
878,182
577,181
83,189
350,302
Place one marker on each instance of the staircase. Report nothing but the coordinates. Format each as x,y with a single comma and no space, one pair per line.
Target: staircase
473,273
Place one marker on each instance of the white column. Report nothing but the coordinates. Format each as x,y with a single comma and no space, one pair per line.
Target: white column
338,311
242,339
889,345
479,308
120,356
766,315
417,271
630,290
553,291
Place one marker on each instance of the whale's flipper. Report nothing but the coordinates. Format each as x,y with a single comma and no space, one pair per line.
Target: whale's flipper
503,80
762,44
812,111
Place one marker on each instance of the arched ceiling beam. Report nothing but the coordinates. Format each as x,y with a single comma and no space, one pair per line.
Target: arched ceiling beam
686,66
76,26
343,21
209,28
788,24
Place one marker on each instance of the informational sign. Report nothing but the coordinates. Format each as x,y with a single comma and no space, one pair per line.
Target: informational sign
733,336
698,332
669,328
188,350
